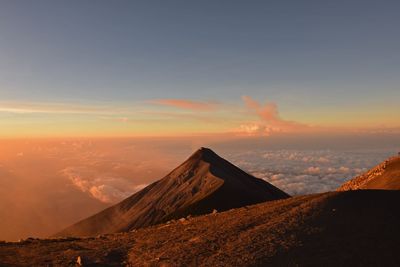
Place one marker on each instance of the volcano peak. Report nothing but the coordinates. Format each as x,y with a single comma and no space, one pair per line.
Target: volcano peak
203,183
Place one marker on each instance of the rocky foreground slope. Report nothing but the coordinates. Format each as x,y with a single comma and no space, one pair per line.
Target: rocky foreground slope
203,183
352,228
386,175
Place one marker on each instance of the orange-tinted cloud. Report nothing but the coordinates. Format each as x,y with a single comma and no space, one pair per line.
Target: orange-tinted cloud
270,120
268,112
186,104
59,108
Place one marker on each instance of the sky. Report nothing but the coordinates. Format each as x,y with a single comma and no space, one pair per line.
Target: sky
303,94
144,68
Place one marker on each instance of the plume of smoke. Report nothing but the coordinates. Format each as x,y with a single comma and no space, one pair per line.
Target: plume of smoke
269,119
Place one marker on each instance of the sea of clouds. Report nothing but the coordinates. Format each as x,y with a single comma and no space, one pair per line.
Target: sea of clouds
60,182
110,171
300,172
110,175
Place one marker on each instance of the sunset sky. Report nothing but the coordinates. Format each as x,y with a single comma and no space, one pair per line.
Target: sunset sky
303,94
143,68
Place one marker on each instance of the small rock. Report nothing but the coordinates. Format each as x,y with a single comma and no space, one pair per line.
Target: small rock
195,239
161,258
79,261
182,219
214,211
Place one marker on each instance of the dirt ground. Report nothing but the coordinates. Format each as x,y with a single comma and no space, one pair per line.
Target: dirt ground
353,228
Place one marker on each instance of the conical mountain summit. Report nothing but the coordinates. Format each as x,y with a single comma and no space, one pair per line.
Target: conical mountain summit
202,183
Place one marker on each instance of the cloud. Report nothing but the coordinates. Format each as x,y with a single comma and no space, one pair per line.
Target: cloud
306,171
107,169
269,119
59,108
186,104
107,193
378,129
257,129
268,112
106,188
313,170
123,119
202,117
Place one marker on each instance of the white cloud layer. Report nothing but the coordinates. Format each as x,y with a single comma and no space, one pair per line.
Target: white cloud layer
109,177
310,171
104,187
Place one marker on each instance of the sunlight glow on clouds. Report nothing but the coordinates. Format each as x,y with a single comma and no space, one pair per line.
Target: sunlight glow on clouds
59,108
106,188
70,179
307,171
186,104
149,118
269,119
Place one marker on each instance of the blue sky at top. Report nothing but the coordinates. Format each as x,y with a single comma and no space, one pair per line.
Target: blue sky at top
296,53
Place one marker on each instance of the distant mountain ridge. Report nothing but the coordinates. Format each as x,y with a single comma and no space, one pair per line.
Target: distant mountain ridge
202,183
385,175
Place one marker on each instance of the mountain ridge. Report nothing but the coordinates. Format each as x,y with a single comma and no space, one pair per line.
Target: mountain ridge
385,175
202,183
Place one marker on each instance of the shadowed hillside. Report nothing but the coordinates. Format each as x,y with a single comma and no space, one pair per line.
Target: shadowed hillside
352,228
204,182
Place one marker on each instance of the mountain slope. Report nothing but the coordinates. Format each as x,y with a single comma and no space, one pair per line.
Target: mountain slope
383,176
204,182
352,228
